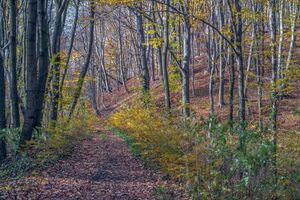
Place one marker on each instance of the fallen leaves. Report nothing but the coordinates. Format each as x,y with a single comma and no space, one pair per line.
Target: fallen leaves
98,169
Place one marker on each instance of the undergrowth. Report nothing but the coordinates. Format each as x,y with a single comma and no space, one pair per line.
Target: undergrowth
209,167
48,145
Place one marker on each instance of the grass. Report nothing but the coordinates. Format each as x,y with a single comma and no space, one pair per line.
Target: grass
133,147
161,192
103,136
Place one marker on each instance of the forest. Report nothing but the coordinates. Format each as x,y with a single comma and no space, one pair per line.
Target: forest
150,99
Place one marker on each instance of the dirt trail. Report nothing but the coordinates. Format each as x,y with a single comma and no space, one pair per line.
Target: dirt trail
100,168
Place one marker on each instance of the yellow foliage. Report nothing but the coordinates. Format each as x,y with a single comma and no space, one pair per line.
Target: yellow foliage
163,140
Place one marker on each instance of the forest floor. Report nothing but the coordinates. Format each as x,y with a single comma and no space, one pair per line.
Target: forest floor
101,167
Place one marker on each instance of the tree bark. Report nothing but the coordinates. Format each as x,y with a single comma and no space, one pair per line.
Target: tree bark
211,67
294,17
185,69
2,101
58,27
142,52
221,59
13,65
121,56
274,93
43,60
232,83
31,74
165,57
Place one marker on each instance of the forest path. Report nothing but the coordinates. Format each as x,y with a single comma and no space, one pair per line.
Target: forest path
101,167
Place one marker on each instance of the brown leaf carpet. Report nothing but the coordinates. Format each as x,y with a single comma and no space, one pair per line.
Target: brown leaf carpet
98,169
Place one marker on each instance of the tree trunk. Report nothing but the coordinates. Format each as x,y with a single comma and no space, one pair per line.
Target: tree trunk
13,65
186,67
165,57
294,17
31,74
221,59
280,40
58,27
193,65
43,64
249,64
259,64
274,93
87,61
121,56
143,53
102,57
2,101
74,27
237,26
232,83
212,67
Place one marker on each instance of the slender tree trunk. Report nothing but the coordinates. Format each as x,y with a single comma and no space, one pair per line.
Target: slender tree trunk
259,92
102,57
153,77
237,25
274,93
74,28
2,101
31,74
143,53
13,65
165,57
259,48
212,67
186,68
232,83
58,27
121,56
193,65
249,64
43,62
294,10
280,41
94,93
240,63
87,61
221,59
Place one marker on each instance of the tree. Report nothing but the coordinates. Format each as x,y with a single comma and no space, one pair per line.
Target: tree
74,28
185,69
165,56
43,59
13,65
121,54
237,24
142,50
221,6
31,73
61,8
2,97
274,60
